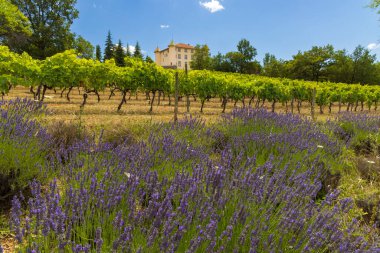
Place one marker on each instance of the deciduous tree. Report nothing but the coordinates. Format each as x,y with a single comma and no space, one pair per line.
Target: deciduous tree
13,23
50,22
201,58
84,47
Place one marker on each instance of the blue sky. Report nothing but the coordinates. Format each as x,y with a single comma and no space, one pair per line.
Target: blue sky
276,26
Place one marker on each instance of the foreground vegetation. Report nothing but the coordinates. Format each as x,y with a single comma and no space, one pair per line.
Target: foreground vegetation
254,181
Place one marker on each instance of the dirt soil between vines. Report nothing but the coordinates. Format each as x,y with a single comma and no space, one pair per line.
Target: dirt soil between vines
104,114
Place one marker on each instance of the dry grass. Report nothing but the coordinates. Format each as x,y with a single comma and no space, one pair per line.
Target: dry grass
104,115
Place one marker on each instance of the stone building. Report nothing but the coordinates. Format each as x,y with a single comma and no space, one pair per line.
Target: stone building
175,56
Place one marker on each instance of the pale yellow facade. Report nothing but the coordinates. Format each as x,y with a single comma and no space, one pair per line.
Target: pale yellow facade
176,56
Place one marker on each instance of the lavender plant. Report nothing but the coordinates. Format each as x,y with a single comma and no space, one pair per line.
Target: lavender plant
359,131
256,193
23,143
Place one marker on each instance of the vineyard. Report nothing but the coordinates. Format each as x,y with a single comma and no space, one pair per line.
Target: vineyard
67,71
260,178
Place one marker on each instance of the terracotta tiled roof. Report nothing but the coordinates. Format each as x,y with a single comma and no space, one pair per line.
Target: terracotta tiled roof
182,45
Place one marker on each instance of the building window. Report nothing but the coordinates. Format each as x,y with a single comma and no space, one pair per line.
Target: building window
179,50
185,50
192,50
179,63
179,56
185,56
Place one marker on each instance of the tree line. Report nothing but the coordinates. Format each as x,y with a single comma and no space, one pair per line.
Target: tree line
320,63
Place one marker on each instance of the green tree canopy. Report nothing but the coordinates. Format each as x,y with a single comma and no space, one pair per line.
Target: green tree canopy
13,22
138,53
148,59
84,47
50,22
273,67
98,53
363,66
108,50
201,58
312,65
119,55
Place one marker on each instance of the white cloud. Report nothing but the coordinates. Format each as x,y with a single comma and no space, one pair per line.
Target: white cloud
94,5
212,5
373,46
164,26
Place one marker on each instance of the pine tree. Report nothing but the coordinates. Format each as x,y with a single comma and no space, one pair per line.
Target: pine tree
98,53
119,55
148,59
137,52
128,54
108,50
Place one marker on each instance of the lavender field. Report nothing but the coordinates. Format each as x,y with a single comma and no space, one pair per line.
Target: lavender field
255,181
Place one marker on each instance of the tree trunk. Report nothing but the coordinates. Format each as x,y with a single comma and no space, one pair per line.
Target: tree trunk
330,107
251,100
225,100
340,105
84,100
97,94
263,103
321,109
123,100
159,98
63,92
68,93
112,94
32,91
188,103
273,105
38,93
292,105
151,103
43,93
202,104
299,104
257,103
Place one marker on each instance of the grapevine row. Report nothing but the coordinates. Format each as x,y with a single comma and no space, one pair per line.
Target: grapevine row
68,70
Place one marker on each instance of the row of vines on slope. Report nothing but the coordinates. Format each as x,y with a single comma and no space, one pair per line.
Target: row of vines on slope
68,70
